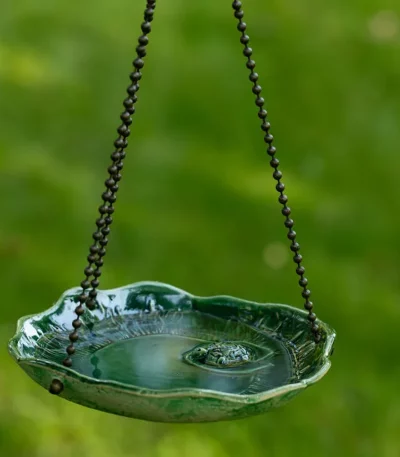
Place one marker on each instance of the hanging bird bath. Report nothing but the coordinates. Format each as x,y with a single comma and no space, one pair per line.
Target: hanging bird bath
152,351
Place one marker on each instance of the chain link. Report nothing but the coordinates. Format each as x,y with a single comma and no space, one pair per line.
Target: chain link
97,250
277,175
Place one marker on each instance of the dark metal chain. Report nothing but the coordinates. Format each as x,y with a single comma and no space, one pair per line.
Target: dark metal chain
97,250
277,175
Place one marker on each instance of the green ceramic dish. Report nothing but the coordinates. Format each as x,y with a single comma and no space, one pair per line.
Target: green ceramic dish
154,352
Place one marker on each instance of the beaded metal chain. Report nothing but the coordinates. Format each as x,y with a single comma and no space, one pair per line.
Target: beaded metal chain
97,250
277,174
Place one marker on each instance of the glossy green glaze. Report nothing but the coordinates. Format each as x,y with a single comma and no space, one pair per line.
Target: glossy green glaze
154,352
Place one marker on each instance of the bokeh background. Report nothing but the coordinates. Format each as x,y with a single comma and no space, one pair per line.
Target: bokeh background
197,206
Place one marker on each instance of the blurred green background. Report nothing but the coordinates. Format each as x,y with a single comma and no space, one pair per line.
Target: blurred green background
197,206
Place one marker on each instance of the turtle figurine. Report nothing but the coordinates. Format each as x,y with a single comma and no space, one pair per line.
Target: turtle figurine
222,354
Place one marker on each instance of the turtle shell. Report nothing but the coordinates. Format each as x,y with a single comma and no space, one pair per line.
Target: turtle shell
222,354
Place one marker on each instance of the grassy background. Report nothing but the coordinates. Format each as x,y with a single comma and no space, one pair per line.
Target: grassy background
197,206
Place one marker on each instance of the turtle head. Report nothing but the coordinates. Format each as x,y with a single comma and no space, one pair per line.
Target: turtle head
199,353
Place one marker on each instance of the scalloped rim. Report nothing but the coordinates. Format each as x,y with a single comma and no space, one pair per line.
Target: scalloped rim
64,372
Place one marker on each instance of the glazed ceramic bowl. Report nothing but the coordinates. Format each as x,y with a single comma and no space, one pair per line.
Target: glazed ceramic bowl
134,355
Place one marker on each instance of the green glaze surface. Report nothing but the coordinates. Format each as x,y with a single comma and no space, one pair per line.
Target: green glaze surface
154,352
